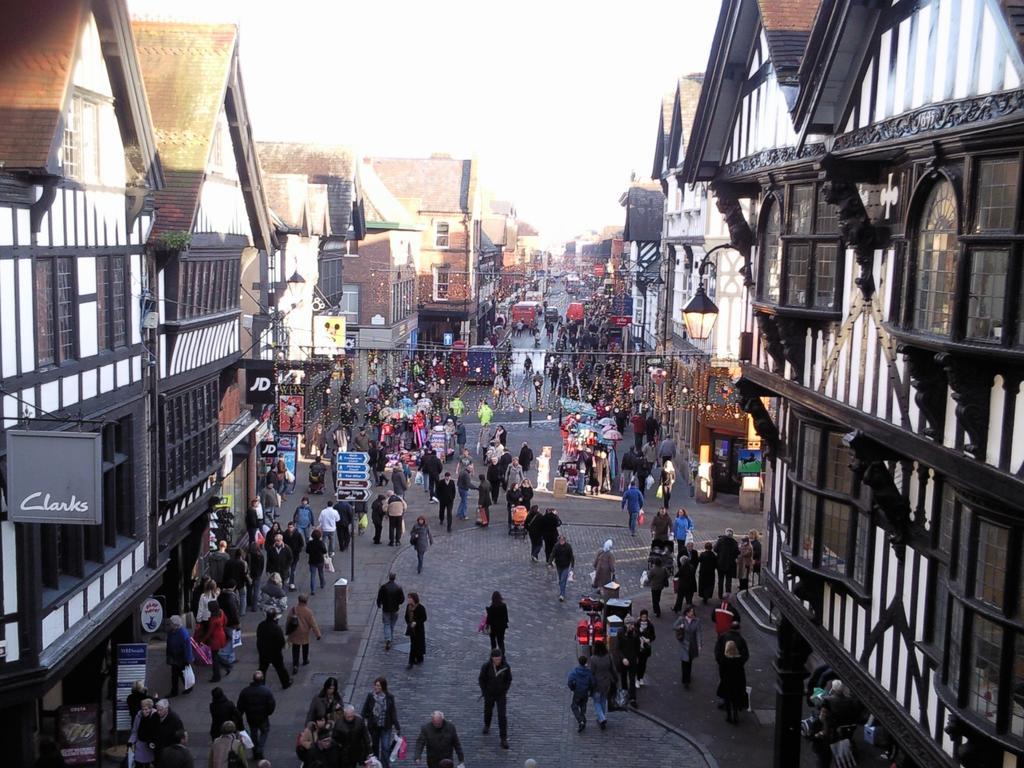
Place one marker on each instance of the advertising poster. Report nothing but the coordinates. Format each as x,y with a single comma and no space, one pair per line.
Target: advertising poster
291,413
78,734
131,666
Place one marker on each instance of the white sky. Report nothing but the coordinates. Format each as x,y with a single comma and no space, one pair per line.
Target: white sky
558,99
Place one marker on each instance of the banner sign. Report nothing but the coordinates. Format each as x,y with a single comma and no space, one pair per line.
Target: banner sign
259,382
622,304
291,413
78,732
40,491
329,335
131,667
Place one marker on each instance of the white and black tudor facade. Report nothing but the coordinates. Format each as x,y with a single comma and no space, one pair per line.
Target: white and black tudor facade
77,166
881,145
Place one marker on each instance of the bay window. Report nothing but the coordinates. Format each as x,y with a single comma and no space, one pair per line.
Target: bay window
964,273
833,526
800,266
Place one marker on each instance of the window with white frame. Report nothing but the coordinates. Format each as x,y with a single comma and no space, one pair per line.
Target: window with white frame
349,302
80,146
441,234
442,283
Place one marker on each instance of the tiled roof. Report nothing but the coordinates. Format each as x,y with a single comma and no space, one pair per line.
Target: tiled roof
38,40
435,184
185,68
787,28
329,164
689,94
287,196
525,229
791,15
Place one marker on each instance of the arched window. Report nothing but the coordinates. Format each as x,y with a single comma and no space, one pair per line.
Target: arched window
771,261
937,246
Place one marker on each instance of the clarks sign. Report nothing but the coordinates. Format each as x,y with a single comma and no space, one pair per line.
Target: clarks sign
54,477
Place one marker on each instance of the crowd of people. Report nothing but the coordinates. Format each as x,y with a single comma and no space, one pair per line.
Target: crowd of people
266,575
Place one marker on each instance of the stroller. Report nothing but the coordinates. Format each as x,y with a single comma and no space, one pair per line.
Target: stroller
317,473
518,528
665,552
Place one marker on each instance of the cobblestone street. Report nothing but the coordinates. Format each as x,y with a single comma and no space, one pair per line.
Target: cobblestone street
460,572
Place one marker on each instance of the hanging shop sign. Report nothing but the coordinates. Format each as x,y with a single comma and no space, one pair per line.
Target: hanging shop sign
38,494
151,614
259,382
291,413
621,321
329,335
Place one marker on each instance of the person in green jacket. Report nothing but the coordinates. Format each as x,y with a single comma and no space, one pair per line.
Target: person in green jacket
457,407
485,414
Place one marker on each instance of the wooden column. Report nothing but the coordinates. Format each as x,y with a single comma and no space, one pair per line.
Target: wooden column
789,692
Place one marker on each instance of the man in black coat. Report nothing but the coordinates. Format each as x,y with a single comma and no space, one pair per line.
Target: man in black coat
446,498
270,648
169,725
345,514
495,679
727,550
431,468
279,558
257,703
525,457
629,656
295,542
352,737
390,599
176,755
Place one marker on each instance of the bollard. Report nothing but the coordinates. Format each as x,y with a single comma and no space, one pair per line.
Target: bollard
341,605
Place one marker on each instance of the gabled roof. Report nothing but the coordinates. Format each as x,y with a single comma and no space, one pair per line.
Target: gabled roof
330,164
438,184
191,73
787,27
40,42
644,211
664,131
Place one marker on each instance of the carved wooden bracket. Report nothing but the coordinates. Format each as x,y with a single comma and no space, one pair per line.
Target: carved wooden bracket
971,383
887,500
750,402
772,340
740,236
793,335
855,228
974,750
929,381
807,587
40,207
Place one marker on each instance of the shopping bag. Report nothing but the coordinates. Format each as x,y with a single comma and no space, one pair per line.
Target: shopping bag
236,638
202,653
659,492
572,576
329,565
245,738
649,482
419,477
364,521
190,676
482,627
644,579
642,518
130,757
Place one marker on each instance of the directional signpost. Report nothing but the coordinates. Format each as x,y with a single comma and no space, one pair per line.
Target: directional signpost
352,483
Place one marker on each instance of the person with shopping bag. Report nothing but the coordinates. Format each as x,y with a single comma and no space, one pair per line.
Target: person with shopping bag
381,716
227,750
633,504
179,654
688,635
214,635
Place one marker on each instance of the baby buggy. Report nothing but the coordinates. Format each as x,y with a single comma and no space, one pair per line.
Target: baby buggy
662,551
317,473
518,528
571,472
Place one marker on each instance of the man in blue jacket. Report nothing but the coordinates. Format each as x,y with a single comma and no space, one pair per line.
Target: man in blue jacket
581,683
633,502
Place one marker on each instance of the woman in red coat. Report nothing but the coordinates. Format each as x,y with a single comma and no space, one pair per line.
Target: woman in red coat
215,636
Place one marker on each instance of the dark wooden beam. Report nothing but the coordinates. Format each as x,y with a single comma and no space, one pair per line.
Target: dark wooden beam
981,478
